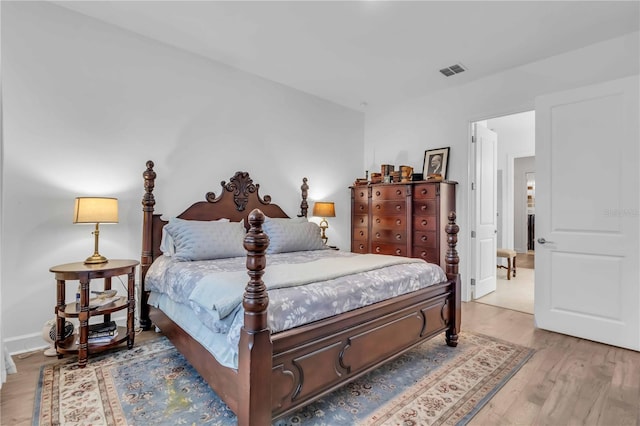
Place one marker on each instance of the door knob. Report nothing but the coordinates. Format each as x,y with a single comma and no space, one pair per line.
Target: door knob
543,241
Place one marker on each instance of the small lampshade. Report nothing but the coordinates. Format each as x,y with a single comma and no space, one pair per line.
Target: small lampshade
324,209
96,210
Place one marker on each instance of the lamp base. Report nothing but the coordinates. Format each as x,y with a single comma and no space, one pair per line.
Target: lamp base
323,226
95,259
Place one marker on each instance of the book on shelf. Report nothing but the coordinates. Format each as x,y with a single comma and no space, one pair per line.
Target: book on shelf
101,340
103,329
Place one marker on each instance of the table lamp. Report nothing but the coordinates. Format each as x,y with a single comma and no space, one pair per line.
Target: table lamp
96,210
324,209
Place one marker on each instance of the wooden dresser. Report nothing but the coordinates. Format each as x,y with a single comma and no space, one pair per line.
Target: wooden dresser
402,219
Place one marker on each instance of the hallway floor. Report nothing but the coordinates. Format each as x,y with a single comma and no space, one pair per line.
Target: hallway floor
517,293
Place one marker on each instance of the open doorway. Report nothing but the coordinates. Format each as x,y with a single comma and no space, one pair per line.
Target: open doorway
515,172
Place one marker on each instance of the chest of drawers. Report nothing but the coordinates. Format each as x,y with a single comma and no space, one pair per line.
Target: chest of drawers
402,219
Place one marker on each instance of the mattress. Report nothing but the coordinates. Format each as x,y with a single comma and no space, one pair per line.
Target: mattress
180,289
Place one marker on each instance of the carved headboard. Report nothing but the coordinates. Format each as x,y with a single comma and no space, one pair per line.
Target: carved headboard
237,199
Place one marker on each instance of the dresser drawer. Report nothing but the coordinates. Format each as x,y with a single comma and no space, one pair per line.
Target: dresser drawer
360,207
360,221
388,208
394,236
424,207
425,239
359,247
424,223
388,222
425,191
430,255
361,194
360,234
394,249
391,192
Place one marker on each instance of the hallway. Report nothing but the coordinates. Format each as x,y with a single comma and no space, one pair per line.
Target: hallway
517,293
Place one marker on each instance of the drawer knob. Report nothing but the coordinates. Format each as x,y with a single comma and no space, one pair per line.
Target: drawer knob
361,207
423,207
398,252
398,192
378,193
398,237
378,206
362,233
377,235
362,195
398,222
361,220
424,191
398,207
424,222
378,249
361,247
423,254
378,220
424,238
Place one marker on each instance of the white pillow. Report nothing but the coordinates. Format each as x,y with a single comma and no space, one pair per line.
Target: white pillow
167,246
206,240
296,234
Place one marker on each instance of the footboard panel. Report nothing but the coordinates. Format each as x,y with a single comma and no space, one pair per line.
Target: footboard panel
318,358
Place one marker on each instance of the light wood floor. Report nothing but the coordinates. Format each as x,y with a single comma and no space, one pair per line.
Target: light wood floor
517,293
567,381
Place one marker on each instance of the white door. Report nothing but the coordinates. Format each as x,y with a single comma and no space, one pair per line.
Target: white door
587,213
485,200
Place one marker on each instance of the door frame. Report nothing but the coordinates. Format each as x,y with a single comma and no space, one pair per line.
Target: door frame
471,199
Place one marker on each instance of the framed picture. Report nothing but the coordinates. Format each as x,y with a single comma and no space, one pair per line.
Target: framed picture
435,163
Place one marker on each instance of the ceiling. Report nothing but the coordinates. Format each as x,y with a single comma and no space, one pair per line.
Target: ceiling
356,53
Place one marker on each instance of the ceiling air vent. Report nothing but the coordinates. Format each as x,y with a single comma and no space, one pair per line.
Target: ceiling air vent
452,70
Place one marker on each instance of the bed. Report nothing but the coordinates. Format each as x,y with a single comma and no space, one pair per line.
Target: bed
275,372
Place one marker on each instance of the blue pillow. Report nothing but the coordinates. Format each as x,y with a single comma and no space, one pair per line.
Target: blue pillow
206,240
287,235
167,246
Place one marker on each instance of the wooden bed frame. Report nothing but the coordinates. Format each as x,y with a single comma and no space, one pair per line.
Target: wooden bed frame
281,372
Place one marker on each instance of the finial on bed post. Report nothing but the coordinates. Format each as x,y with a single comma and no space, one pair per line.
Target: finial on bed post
255,350
304,206
452,258
148,203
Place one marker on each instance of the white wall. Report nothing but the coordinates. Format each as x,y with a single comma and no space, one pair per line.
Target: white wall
86,104
401,133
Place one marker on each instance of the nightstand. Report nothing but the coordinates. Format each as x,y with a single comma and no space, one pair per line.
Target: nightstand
84,273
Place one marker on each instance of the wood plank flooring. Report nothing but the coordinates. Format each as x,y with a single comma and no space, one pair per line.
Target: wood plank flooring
568,380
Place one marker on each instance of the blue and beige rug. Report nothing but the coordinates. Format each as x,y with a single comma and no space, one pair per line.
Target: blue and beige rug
152,383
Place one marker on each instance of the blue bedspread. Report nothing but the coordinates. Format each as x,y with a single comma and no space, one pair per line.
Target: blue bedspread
290,305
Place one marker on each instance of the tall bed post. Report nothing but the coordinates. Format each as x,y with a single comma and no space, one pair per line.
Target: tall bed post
304,190
148,203
255,347
452,260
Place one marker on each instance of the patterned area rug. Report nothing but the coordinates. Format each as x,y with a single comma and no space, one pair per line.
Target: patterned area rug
152,383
